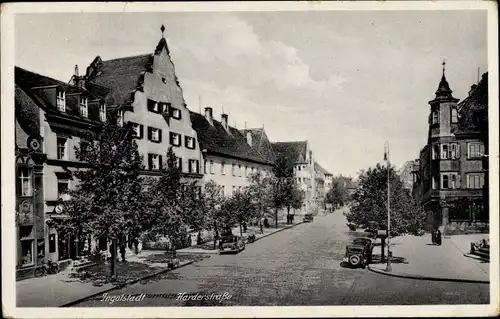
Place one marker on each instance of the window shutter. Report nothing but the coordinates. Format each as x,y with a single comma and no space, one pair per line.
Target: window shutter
141,129
180,140
160,159
160,135
180,114
197,166
150,133
186,141
150,105
171,138
194,143
180,164
150,161
458,150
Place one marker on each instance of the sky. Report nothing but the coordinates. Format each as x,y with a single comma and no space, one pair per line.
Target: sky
346,81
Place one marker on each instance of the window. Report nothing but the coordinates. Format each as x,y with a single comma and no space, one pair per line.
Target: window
300,167
205,167
193,166
62,153
452,151
444,151
137,130
62,187
176,113
239,170
475,181
155,107
27,249
454,115
154,134
154,161
212,168
448,180
223,168
247,172
233,169
52,243
84,109
175,139
61,101
475,150
190,142
102,112
119,118
24,184
435,117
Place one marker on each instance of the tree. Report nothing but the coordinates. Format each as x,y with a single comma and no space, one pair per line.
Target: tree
164,194
191,203
212,200
108,199
260,191
240,207
338,194
369,202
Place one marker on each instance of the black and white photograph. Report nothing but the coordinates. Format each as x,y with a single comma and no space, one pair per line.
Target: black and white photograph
198,158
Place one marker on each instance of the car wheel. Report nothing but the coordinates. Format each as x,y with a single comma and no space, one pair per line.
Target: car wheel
355,260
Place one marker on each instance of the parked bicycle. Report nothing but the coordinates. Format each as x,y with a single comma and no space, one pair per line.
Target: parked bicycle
47,268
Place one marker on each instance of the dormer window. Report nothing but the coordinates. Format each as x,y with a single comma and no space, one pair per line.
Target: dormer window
84,109
102,112
61,101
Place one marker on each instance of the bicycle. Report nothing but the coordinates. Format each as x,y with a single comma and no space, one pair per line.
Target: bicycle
47,268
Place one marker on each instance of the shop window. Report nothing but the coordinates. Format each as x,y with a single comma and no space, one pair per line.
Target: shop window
27,249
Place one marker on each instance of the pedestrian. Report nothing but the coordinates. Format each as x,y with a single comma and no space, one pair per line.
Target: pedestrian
438,237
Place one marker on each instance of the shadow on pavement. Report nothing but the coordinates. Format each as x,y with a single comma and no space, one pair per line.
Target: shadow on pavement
376,259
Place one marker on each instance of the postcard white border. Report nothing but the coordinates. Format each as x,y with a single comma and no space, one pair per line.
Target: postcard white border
8,12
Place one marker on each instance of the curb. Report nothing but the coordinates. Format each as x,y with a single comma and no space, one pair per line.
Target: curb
408,276
469,255
69,304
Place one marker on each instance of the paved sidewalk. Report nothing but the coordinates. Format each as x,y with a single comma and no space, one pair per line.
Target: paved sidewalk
63,288
417,257
236,231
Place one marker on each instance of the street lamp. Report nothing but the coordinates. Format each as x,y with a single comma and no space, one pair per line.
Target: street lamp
386,158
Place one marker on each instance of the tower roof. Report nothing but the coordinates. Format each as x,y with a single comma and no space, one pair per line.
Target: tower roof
443,92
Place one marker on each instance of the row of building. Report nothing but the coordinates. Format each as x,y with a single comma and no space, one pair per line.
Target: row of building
52,117
450,177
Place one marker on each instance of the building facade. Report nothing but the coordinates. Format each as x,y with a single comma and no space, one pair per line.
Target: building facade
144,92
228,155
52,117
450,175
406,175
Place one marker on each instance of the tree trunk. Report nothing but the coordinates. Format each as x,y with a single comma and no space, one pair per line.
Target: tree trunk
260,225
241,230
216,235
275,217
113,258
288,215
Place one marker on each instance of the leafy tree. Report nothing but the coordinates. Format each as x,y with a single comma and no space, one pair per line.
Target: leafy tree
212,200
165,201
338,194
260,191
192,207
369,202
240,207
108,199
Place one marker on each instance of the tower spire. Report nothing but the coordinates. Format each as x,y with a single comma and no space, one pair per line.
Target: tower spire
444,63
162,30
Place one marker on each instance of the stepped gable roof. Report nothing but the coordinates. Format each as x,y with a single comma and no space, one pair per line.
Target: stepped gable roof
474,109
215,139
261,143
116,80
321,169
31,91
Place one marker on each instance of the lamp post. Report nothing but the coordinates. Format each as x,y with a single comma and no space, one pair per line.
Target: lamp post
386,157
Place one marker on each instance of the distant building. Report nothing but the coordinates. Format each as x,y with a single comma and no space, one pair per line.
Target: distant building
406,175
323,181
450,165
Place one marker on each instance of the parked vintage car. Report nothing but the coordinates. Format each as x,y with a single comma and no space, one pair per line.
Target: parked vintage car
367,242
356,255
308,218
231,244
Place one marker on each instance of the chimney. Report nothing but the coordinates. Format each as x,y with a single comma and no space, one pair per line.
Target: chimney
224,118
249,138
209,115
472,88
77,79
